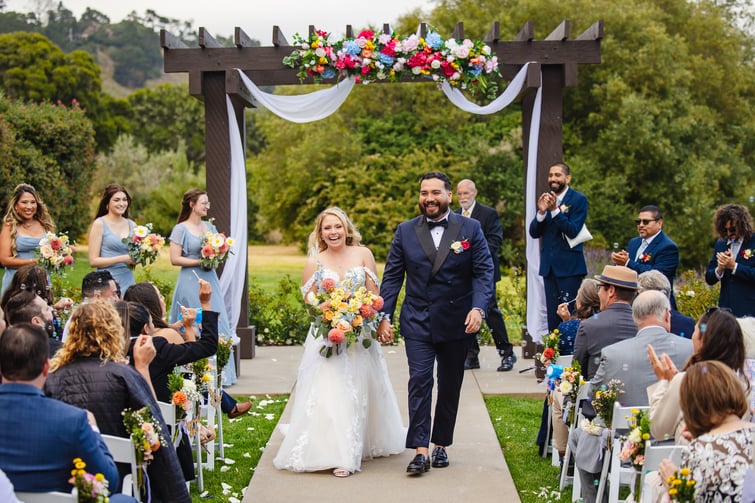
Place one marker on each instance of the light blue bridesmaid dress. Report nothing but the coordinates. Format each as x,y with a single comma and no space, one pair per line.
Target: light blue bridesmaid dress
112,246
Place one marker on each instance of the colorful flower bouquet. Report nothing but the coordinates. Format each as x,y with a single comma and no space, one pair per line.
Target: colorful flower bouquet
682,486
215,250
202,371
183,394
344,314
633,444
143,244
570,383
55,252
223,356
604,399
147,436
550,352
371,56
90,488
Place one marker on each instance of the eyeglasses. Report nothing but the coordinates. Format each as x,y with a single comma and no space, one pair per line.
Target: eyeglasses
730,229
601,285
713,309
644,221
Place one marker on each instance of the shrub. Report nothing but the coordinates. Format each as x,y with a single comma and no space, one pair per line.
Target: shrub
279,316
693,294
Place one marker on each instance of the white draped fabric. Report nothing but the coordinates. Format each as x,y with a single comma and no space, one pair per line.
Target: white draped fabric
320,104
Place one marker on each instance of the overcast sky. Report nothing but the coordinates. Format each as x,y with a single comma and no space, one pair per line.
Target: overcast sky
255,17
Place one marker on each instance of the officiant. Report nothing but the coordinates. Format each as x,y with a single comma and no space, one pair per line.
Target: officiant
561,214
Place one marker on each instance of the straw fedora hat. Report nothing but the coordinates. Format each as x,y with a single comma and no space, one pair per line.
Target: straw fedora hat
618,275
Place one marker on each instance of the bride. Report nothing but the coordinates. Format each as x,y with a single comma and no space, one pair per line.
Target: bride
344,407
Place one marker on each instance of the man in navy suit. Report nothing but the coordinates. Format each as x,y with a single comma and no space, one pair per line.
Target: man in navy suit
466,192
40,436
561,213
652,249
733,261
449,282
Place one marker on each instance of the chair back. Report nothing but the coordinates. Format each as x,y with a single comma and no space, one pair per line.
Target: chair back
51,497
168,410
621,415
565,361
123,451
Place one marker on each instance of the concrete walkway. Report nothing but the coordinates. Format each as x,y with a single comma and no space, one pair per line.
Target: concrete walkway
478,470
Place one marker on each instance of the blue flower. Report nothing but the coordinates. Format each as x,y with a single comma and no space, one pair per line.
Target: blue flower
386,59
351,48
434,40
475,70
328,73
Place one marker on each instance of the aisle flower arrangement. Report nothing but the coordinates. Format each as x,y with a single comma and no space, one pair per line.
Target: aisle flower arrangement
682,486
370,56
216,247
344,315
633,445
550,350
143,244
90,488
604,399
146,433
55,252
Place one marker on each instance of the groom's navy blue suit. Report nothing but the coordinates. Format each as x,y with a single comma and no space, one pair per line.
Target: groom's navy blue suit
441,288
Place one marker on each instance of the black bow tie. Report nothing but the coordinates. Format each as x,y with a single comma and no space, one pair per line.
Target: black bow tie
443,223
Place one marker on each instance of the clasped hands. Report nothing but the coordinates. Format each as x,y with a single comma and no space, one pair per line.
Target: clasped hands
725,261
546,201
385,332
620,258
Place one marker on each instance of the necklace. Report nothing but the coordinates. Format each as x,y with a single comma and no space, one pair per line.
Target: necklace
27,225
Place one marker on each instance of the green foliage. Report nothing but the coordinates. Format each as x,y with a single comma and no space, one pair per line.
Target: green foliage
135,52
693,295
279,316
52,148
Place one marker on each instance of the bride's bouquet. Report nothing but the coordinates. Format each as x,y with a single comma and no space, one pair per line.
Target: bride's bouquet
55,252
344,315
143,244
215,249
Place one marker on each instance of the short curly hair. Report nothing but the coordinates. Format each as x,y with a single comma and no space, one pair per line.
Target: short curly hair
738,215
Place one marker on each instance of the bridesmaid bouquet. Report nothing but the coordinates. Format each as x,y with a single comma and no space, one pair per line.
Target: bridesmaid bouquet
146,434
55,252
344,315
215,249
143,244
90,488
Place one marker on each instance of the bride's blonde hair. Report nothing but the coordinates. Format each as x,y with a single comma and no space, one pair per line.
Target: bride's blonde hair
316,244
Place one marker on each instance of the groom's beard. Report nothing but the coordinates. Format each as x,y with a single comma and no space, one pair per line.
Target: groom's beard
434,211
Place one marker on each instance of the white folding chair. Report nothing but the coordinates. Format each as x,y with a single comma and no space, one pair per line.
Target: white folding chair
168,410
576,419
563,361
123,451
51,497
613,473
654,454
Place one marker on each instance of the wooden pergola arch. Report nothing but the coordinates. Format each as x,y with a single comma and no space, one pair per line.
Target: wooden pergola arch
212,76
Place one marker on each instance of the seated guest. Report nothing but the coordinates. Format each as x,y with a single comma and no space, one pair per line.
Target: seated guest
90,371
148,295
681,324
96,285
717,336
28,307
617,287
40,436
713,404
35,278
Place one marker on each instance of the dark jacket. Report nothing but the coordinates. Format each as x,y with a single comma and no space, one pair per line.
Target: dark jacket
106,389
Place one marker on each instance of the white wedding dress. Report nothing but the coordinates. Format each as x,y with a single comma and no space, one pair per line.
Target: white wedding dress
344,407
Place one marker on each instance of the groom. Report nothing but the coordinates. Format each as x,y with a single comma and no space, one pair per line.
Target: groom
449,278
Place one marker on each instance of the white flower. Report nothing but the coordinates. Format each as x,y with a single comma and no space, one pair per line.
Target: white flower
320,52
141,231
635,436
435,64
565,387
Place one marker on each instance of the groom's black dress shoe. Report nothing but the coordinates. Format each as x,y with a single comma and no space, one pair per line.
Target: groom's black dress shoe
419,465
440,457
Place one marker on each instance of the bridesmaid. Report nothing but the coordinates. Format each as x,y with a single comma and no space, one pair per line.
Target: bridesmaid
185,247
111,224
25,224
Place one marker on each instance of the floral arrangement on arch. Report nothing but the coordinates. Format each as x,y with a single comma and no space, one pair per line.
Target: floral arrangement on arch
143,244
90,488
550,350
55,252
344,314
371,56
215,249
147,435
682,486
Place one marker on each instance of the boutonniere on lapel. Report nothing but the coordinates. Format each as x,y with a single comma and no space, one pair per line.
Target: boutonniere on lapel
645,258
748,253
460,246
564,208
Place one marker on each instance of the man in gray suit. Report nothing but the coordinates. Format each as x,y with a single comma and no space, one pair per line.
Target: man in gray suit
627,360
616,289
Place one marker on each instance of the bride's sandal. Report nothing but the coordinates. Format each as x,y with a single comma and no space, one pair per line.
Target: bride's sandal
341,473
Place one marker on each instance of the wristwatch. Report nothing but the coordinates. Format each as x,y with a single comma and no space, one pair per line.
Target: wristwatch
481,311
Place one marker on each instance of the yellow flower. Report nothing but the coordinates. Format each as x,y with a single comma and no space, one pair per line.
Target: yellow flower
672,492
645,436
206,378
691,482
685,472
80,465
99,477
677,482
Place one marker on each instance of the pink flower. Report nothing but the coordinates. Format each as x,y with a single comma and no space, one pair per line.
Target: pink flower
378,303
367,311
336,336
56,244
465,244
328,284
207,251
68,260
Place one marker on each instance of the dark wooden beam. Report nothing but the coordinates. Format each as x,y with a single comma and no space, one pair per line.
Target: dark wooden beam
278,39
526,34
594,32
241,39
458,33
195,84
387,29
422,30
349,31
494,33
235,87
561,32
206,40
170,41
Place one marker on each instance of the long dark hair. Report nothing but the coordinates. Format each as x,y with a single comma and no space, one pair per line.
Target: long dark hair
145,293
722,340
107,195
190,197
